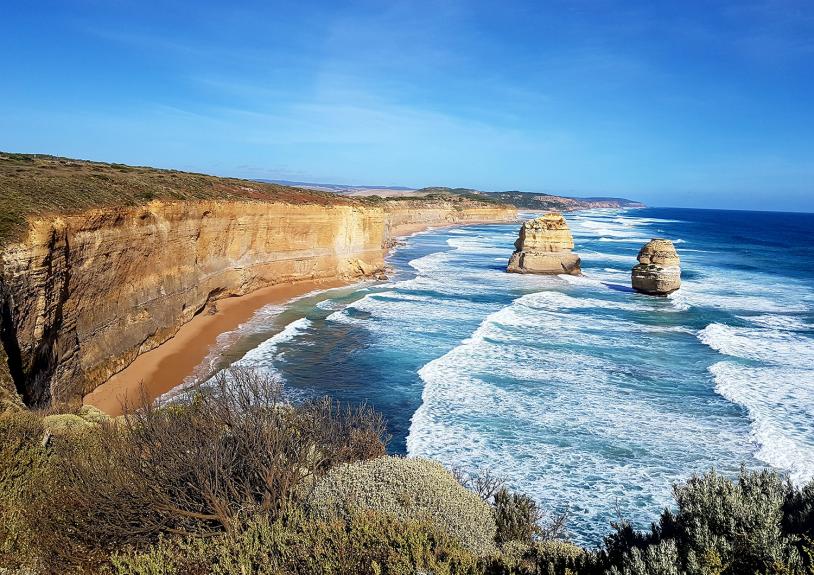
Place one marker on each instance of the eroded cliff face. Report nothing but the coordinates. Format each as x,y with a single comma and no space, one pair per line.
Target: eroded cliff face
83,295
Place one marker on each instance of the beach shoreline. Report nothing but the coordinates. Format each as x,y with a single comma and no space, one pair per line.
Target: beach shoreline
160,370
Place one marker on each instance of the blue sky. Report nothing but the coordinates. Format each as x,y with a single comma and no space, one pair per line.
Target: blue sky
697,104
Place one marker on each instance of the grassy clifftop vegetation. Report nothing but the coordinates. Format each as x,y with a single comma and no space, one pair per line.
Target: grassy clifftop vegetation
231,480
37,184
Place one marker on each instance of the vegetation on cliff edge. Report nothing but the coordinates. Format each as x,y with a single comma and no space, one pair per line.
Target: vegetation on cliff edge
232,480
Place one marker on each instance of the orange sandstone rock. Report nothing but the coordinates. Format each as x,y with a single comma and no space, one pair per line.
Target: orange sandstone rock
658,271
544,247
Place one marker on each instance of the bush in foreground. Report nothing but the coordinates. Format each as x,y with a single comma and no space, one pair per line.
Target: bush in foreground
720,527
23,459
539,558
408,489
365,543
193,468
233,481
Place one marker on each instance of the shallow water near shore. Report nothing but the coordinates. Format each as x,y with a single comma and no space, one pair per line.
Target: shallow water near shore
580,392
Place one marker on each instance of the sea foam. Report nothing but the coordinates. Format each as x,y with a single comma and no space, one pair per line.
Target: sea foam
775,384
265,354
525,395
780,403
577,390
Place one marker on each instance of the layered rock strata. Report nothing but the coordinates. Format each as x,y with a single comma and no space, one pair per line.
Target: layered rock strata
658,271
544,247
83,295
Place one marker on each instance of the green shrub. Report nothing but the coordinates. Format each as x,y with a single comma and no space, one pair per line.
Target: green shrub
409,489
516,515
61,424
196,468
561,554
93,414
539,558
721,527
658,559
22,460
366,543
739,522
798,520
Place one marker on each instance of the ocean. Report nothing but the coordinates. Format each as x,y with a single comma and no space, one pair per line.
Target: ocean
589,397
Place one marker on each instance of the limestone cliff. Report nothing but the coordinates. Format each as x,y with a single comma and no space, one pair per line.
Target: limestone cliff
83,294
658,271
544,247
404,217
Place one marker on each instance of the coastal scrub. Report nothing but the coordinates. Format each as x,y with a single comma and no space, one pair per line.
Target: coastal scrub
409,489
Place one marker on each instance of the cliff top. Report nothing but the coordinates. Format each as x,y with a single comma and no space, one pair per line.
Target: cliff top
37,184
529,200
659,251
549,221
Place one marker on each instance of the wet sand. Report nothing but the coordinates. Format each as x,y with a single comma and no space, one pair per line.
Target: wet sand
159,370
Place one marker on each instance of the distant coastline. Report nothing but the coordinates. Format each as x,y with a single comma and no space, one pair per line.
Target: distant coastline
516,198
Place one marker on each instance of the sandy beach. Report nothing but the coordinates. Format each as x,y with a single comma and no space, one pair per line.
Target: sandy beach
165,367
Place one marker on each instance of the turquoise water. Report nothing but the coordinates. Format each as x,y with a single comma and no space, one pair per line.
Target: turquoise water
591,398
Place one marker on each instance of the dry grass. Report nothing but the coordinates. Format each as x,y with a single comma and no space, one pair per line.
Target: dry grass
196,467
39,184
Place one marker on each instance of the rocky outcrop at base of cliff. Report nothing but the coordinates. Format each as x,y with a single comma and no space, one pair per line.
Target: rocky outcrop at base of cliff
658,271
544,247
87,293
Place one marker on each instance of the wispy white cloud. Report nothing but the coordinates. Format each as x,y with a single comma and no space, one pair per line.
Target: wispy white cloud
591,96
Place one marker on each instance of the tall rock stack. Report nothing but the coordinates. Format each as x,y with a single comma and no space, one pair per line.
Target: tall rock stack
658,271
544,247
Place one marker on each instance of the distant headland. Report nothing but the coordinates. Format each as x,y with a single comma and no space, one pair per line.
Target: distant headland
523,200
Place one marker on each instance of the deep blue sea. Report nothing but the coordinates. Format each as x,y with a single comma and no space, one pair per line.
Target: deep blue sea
589,397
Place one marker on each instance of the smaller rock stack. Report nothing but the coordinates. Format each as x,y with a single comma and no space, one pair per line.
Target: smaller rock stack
544,247
658,271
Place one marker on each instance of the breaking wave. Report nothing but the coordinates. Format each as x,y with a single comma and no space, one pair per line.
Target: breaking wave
581,392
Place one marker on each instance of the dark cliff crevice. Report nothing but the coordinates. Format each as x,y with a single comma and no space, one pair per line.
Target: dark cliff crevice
11,348
46,358
33,372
